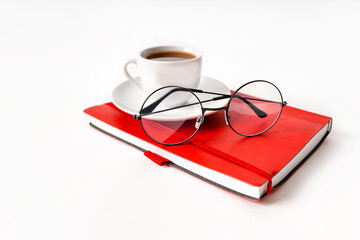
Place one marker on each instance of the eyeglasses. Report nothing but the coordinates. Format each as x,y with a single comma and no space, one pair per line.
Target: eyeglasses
172,115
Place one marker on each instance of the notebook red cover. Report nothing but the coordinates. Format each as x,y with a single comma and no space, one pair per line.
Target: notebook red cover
256,161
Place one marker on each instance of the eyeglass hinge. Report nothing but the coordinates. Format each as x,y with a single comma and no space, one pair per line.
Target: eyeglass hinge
284,103
136,117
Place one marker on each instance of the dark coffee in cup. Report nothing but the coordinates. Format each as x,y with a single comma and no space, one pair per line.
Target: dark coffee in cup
170,56
162,66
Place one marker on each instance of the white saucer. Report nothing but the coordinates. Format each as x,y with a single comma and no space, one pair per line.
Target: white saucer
129,98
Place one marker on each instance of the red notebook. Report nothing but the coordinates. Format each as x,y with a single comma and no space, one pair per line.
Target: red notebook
248,166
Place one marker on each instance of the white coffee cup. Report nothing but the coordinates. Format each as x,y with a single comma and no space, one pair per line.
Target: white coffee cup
165,66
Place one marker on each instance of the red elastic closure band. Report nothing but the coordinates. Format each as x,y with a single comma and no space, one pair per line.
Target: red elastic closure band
237,161
159,160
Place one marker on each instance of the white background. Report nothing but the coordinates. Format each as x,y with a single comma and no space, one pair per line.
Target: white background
60,179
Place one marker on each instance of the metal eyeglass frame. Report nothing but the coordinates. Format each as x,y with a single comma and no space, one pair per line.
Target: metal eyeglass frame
148,110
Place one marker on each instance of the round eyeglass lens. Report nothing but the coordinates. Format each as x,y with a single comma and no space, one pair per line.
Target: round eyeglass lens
171,115
254,108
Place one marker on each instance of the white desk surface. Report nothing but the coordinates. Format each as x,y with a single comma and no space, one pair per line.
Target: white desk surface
60,179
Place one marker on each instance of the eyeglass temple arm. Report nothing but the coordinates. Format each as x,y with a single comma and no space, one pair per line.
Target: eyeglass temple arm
259,112
152,106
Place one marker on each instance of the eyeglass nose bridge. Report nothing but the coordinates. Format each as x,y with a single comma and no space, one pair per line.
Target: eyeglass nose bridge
216,109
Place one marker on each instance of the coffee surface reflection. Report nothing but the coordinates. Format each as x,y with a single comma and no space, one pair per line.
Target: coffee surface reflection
170,56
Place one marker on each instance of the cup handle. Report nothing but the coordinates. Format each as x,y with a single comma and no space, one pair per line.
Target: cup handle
131,78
